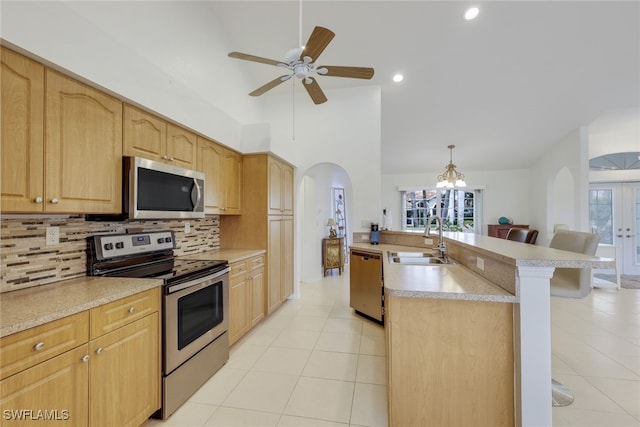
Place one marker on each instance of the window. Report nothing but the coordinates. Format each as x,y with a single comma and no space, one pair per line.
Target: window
459,209
601,214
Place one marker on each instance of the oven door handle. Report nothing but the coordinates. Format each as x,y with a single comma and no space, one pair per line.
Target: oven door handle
199,281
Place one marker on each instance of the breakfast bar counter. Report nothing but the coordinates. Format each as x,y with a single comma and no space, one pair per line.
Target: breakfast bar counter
481,323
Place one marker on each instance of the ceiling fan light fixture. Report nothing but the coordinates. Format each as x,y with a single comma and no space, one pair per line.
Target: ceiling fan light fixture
471,13
451,178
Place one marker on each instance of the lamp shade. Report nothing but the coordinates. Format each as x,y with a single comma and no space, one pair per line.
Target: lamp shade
331,222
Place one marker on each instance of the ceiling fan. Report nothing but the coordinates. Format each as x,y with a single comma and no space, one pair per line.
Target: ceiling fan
301,62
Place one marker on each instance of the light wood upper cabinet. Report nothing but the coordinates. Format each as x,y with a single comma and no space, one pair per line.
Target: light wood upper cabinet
280,187
22,132
232,182
181,147
223,178
149,136
64,158
83,148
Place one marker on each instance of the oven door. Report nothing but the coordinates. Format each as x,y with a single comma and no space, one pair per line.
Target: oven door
196,313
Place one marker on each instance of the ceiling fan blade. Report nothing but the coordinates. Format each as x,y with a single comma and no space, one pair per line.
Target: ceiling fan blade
318,41
314,91
247,57
273,83
351,72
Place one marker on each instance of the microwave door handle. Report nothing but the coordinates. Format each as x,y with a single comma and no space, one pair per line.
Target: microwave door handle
198,193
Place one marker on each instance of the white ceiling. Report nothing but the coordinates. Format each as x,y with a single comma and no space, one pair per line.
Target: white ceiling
502,88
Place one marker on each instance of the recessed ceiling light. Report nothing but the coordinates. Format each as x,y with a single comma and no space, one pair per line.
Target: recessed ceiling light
398,78
471,13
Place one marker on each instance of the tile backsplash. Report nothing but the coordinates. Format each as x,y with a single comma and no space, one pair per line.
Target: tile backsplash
26,260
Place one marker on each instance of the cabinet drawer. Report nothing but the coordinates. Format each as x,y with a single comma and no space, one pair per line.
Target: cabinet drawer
238,269
256,262
116,314
27,348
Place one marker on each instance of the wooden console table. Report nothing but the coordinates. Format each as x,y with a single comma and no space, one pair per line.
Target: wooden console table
332,254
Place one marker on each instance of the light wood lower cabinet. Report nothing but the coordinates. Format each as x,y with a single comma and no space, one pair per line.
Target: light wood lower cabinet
246,296
124,374
55,371
449,362
280,264
57,386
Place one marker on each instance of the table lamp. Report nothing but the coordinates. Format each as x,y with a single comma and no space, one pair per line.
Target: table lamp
332,231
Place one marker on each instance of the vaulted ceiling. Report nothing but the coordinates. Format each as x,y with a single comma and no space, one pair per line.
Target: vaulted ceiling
502,87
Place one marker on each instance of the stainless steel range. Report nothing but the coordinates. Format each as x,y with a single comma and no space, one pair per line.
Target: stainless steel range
195,306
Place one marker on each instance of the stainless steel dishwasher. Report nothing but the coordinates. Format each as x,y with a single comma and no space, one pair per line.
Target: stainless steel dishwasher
366,284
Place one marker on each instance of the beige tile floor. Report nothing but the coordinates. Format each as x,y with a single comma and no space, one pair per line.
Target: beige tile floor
313,363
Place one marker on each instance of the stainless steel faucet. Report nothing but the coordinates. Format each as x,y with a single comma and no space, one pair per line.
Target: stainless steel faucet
442,248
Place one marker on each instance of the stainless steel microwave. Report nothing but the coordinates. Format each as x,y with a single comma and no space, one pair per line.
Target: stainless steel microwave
155,190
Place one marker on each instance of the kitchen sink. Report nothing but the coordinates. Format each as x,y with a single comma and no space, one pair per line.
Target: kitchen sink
412,254
416,258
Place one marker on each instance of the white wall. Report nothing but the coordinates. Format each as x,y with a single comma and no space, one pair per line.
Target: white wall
344,131
108,44
570,152
505,193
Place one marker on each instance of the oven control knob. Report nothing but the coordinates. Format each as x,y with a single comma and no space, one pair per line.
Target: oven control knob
119,245
161,240
167,239
108,246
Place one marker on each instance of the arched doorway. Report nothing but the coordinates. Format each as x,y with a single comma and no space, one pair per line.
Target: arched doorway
316,205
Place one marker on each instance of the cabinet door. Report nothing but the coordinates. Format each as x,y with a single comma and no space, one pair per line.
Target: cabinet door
274,257
239,307
124,376
83,158
232,181
22,106
286,274
181,147
145,135
275,186
287,190
257,295
58,386
210,160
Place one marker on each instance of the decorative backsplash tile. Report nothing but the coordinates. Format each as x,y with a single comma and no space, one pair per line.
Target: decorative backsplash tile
26,261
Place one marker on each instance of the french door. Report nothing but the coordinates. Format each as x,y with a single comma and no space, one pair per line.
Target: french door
614,213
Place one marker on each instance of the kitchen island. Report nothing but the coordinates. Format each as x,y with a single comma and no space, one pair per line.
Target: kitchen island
470,343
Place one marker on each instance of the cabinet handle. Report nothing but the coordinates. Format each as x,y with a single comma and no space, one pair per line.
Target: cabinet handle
38,346
132,309
85,358
165,158
55,201
38,199
99,350
171,159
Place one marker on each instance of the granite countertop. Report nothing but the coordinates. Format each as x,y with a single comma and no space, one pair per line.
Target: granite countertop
27,308
231,255
520,255
451,281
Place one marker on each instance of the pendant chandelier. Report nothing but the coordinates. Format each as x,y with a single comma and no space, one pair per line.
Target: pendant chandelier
451,178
